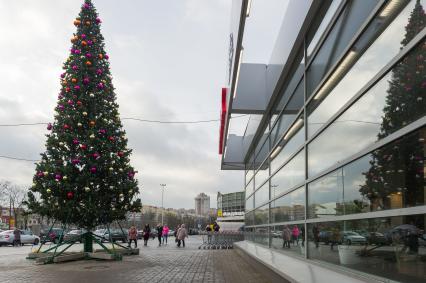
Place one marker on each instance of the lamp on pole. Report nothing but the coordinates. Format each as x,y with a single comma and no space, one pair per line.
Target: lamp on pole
162,207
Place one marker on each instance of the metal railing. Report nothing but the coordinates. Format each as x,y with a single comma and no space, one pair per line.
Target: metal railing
220,240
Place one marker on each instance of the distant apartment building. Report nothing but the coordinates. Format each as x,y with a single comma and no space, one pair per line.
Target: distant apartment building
202,204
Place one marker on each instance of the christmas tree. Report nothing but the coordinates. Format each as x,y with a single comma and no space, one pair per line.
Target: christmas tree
84,177
396,176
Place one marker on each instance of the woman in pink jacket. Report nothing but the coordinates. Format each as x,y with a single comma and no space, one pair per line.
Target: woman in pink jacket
295,234
165,233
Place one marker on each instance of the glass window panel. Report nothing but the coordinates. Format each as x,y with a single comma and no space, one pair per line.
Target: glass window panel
249,203
261,215
326,19
262,195
389,178
325,195
290,207
394,102
261,236
391,247
289,148
281,127
351,19
289,238
289,89
262,174
249,218
383,49
292,174
250,187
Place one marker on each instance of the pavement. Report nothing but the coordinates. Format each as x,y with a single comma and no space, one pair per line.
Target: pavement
167,263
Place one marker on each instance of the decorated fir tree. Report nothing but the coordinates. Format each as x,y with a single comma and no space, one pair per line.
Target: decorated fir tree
397,170
84,178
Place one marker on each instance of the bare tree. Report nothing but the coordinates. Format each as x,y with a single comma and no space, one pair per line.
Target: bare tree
13,196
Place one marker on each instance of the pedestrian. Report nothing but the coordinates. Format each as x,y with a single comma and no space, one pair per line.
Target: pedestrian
165,233
146,232
209,234
182,234
175,233
133,236
17,237
295,235
286,236
159,233
302,235
216,229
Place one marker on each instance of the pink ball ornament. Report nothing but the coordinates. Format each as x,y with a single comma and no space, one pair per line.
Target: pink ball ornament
86,5
40,174
83,36
58,177
75,161
93,170
63,75
102,131
77,87
88,55
49,126
70,102
106,56
99,71
86,81
75,67
96,155
75,141
89,42
77,51
100,85
61,107
98,20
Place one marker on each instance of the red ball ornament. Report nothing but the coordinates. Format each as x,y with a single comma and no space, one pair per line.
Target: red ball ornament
79,103
70,195
84,43
120,153
66,127
111,138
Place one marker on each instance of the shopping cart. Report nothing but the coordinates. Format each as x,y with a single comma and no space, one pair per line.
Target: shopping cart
220,240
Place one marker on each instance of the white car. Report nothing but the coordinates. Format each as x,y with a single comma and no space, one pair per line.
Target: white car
350,238
27,237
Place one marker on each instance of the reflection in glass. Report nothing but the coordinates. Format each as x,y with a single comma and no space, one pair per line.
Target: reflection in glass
289,238
350,20
261,195
325,195
392,247
382,50
250,187
290,207
249,218
250,203
394,102
261,215
291,175
261,236
288,149
262,174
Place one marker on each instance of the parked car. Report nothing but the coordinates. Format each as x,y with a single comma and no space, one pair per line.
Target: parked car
116,235
350,237
74,235
374,238
325,237
27,237
53,235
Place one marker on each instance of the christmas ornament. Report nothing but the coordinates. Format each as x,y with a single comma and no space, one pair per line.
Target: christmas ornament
48,191
93,170
92,136
70,195
49,126
91,95
87,189
84,113
79,125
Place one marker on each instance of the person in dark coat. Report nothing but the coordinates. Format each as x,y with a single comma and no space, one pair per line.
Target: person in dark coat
159,233
146,232
17,237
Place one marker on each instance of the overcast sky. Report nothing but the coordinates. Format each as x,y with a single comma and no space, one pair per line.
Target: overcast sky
168,61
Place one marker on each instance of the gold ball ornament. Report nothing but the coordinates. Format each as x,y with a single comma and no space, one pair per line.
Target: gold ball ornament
77,22
92,123
92,95
111,169
92,136
48,191
79,124
65,178
87,189
84,113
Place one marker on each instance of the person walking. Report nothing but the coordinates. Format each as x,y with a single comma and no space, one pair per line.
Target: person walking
295,235
165,233
316,232
17,237
159,233
146,232
175,233
209,234
133,236
182,234
286,236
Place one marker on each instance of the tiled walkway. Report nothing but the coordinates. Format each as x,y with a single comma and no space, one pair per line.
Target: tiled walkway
154,264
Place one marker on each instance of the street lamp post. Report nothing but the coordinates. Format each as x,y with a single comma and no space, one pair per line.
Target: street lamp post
162,206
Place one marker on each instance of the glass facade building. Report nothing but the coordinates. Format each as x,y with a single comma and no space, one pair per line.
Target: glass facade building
335,174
